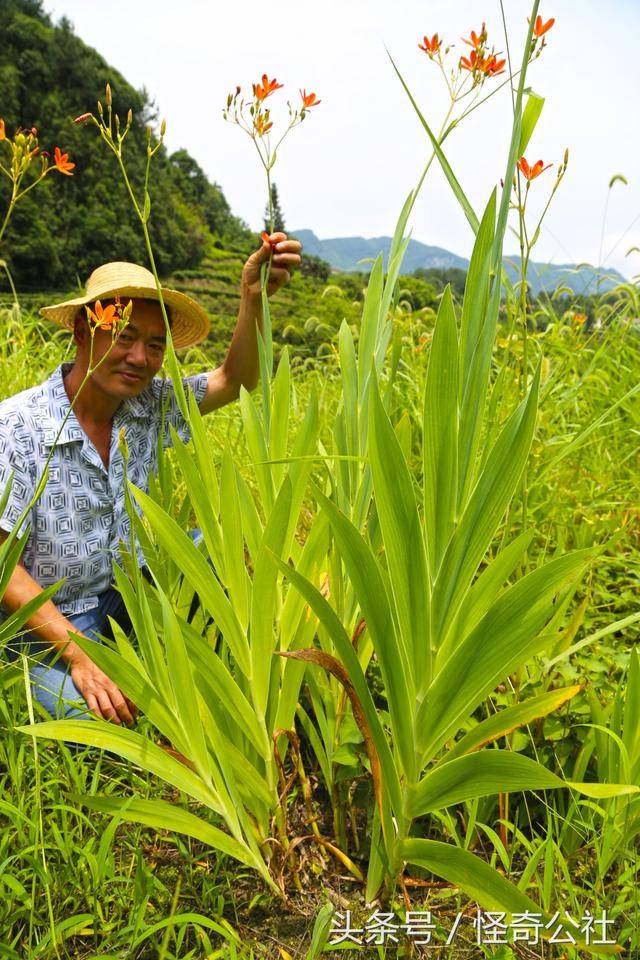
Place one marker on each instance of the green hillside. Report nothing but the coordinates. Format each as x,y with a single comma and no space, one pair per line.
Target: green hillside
68,225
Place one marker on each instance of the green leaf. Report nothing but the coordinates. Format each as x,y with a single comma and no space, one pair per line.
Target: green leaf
263,599
479,775
440,434
130,746
444,163
510,718
506,637
481,882
372,595
404,544
487,504
530,117
162,815
199,574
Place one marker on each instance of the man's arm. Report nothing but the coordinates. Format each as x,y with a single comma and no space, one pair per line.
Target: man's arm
102,695
241,366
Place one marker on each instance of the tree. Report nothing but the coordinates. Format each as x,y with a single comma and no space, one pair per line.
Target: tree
63,231
278,217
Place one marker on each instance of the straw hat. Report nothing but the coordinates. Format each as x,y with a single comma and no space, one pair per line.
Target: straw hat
189,321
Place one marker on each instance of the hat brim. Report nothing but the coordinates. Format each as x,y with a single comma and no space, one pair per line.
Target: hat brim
189,321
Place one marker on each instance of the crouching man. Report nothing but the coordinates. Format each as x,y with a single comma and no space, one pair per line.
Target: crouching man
78,521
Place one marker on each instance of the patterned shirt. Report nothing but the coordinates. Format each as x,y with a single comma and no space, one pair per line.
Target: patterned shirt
77,523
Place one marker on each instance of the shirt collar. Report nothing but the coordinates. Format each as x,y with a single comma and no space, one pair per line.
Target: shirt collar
57,406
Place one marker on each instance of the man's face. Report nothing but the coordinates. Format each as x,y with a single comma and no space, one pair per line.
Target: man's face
137,354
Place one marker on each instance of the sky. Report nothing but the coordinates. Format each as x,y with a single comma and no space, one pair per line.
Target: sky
348,168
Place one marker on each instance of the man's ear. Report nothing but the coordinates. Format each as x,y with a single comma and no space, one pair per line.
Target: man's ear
80,328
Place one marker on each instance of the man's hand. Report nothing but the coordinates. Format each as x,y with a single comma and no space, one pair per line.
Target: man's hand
286,254
102,696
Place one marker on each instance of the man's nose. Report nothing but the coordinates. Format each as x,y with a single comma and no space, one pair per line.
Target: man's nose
137,354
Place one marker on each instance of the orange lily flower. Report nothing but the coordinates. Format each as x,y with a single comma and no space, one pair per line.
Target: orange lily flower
62,162
309,100
264,236
262,90
262,124
530,173
539,28
477,39
104,317
432,46
493,67
3,135
470,62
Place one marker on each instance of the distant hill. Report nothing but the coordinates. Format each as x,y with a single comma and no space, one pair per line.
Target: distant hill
343,253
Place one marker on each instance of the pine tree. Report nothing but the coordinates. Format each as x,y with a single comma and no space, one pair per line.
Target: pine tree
278,218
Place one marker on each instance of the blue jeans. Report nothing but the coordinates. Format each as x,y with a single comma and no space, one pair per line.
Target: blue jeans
50,674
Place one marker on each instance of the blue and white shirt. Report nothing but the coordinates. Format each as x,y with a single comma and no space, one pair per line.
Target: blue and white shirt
77,523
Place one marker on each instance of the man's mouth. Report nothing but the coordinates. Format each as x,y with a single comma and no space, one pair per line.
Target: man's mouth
130,377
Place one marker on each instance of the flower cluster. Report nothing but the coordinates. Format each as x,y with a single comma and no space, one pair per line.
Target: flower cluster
482,62
24,147
254,117
113,317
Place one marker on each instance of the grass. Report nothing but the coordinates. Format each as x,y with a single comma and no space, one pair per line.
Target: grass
106,885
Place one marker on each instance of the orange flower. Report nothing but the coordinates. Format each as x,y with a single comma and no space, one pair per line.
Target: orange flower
3,135
261,123
470,62
539,28
309,100
62,163
530,173
476,63
266,88
477,40
104,317
493,67
264,236
432,46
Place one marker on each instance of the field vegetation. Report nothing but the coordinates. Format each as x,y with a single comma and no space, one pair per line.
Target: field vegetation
407,704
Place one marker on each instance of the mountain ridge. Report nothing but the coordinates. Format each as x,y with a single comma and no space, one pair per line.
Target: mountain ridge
343,254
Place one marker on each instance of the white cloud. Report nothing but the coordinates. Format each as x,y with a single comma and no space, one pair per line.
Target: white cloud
349,167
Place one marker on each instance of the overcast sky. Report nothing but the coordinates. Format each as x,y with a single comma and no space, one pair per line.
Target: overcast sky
348,168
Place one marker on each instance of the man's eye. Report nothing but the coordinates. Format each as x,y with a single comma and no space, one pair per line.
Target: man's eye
125,338
156,347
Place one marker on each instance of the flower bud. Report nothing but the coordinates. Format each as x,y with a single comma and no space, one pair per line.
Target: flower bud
122,443
566,156
129,116
163,128
107,96
82,117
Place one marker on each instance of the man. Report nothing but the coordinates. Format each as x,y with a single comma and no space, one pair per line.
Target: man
79,519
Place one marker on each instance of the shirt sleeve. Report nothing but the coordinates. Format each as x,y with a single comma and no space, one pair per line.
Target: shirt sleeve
14,458
167,402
